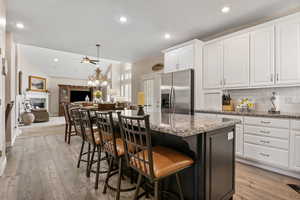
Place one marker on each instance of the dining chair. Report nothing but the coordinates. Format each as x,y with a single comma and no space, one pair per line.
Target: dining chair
69,129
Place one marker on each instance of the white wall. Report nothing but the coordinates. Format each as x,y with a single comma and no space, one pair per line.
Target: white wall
139,69
2,86
54,93
10,89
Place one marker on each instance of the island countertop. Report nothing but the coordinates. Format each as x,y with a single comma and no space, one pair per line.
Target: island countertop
183,125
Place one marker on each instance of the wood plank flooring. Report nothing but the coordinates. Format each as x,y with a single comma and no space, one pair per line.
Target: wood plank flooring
42,167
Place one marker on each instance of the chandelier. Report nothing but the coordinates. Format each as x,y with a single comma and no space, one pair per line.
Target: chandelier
97,79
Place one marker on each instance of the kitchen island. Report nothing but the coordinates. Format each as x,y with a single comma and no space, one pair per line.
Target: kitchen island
210,142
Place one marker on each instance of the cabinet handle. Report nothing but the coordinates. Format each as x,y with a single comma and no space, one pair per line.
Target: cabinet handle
224,81
277,77
266,132
265,122
265,142
264,154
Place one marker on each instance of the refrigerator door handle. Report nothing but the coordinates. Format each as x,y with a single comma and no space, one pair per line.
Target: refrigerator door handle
174,100
170,99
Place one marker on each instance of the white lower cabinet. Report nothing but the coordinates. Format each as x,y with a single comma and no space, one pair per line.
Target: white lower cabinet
273,143
277,157
295,145
239,140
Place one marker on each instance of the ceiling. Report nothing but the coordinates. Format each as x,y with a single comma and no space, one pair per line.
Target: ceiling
37,59
76,25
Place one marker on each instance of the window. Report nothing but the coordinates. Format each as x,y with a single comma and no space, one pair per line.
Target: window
149,92
126,81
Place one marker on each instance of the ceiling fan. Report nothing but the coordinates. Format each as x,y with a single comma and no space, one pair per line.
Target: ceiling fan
87,60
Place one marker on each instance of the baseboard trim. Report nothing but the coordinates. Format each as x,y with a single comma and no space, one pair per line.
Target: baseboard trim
268,168
3,162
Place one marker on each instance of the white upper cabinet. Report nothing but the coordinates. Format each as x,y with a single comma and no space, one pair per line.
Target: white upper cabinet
213,65
171,61
262,57
236,61
180,58
288,52
186,57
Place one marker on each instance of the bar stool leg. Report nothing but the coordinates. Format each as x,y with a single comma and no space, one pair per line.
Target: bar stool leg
156,190
119,179
111,159
92,160
98,166
179,186
136,193
66,132
80,155
88,160
69,133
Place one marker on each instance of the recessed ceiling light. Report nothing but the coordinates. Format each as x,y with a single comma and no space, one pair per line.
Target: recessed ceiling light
225,9
123,19
167,36
20,25
55,59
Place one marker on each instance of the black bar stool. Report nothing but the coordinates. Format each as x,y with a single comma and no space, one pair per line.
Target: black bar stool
76,118
153,163
113,145
92,136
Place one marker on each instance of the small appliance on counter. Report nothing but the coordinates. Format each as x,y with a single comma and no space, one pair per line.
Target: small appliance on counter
227,104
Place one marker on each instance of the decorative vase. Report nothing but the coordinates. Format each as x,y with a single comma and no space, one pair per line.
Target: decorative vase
27,118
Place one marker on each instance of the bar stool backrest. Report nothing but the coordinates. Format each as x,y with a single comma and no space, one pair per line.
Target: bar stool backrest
107,132
66,113
87,126
75,115
136,134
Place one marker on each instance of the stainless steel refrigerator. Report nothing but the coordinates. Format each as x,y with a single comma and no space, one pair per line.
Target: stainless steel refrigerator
177,92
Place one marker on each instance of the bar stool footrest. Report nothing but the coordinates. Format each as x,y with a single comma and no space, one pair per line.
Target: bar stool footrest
115,189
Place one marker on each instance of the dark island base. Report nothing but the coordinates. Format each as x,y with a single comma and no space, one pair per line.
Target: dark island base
212,176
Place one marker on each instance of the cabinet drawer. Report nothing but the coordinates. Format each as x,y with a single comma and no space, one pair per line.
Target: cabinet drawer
267,141
268,122
232,117
266,154
266,131
295,124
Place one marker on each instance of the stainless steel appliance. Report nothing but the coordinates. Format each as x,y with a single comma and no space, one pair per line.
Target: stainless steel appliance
177,92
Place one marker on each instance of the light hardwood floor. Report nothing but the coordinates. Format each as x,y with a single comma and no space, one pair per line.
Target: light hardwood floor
42,167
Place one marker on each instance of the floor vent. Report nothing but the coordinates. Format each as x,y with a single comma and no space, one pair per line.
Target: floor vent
295,187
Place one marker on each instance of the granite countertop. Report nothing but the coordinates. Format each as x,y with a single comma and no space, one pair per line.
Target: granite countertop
254,114
183,125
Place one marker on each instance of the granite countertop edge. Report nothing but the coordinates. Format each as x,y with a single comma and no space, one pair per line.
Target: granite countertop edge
254,114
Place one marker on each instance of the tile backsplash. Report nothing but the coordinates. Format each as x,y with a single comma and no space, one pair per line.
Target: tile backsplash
289,98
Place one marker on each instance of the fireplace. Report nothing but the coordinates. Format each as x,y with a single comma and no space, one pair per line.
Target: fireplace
39,100
38,103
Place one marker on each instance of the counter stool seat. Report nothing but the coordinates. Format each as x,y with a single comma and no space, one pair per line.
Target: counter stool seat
166,161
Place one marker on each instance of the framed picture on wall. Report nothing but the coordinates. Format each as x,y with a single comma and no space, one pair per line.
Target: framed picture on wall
37,84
